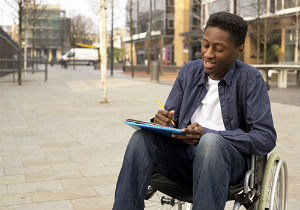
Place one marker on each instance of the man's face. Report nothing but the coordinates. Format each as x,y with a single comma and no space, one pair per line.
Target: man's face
218,52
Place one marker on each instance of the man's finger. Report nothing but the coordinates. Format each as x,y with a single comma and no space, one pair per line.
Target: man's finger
187,136
161,117
168,114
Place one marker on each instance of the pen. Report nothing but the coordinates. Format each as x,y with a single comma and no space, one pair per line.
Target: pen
164,109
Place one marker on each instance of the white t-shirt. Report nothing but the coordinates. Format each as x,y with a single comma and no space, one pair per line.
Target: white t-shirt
208,114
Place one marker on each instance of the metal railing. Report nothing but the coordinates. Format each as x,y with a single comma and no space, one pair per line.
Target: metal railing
11,66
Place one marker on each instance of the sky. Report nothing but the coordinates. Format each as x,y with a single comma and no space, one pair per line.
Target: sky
89,8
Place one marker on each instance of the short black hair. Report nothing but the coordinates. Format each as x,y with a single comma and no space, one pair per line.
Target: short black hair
235,25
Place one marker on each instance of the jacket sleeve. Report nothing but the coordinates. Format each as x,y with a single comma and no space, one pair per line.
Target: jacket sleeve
175,97
259,137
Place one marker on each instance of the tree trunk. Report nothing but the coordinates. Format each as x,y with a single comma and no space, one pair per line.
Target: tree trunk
104,52
33,48
297,34
149,39
265,40
112,40
20,13
131,41
258,33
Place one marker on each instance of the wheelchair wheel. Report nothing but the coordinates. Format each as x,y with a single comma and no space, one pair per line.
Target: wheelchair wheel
273,194
162,201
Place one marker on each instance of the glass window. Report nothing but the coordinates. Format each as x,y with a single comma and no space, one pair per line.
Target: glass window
279,4
290,40
170,3
289,4
248,8
272,6
171,23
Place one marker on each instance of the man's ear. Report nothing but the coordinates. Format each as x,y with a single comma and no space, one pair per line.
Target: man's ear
239,50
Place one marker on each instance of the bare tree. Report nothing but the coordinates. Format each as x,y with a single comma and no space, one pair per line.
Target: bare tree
20,31
103,48
258,32
33,11
148,43
297,33
80,28
131,41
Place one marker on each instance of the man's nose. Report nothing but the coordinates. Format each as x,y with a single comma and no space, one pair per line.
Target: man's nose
209,53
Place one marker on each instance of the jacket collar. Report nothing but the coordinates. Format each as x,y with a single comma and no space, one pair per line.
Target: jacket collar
227,78
229,75
202,73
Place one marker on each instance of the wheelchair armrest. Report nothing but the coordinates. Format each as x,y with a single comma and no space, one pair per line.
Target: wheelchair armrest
248,177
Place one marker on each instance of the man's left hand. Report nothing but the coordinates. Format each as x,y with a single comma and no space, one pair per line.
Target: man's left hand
192,134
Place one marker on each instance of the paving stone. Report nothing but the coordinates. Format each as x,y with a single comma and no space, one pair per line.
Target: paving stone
33,187
30,163
14,199
10,164
95,171
57,205
2,189
100,202
62,144
54,153
26,170
64,194
53,175
107,189
89,181
14,179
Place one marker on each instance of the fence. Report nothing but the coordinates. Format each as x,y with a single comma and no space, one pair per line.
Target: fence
11,66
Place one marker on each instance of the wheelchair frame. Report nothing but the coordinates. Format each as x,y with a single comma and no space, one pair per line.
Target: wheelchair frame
265,186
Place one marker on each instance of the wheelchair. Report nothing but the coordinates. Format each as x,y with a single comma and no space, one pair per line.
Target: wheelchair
265,186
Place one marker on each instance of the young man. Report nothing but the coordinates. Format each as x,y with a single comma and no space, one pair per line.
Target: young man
222,106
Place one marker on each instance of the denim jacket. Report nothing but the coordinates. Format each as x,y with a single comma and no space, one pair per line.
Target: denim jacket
244,100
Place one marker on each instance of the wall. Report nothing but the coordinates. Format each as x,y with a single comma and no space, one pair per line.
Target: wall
8,49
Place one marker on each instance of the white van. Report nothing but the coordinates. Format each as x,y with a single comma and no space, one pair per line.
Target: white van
80,56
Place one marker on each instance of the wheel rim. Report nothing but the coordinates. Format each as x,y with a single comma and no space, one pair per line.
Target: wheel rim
274,185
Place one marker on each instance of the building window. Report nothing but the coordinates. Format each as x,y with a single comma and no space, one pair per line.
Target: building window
170,3
272,6
289,4
279,4
170,23
290,40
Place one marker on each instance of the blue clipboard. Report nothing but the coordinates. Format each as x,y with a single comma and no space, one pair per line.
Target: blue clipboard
164,130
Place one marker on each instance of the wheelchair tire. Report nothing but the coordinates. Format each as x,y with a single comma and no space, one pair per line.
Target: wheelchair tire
273,193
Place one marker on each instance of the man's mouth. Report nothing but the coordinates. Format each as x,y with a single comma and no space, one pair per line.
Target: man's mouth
208,64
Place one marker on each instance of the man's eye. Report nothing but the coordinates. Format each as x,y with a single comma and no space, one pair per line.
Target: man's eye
206,46
219,50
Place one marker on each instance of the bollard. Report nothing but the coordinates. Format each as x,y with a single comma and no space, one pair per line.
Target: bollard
154,69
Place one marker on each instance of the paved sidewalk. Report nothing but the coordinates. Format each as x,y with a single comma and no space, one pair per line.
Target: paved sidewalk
62,149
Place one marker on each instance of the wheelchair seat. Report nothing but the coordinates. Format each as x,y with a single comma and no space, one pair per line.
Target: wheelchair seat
174,189
184,192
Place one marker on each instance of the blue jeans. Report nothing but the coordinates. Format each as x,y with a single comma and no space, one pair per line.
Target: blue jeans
210,167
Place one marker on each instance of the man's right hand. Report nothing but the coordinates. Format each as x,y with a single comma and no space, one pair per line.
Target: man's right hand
163,117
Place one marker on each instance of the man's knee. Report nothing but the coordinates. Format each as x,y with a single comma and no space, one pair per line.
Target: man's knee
212,146
211,141
141,140
137,139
